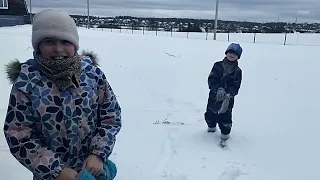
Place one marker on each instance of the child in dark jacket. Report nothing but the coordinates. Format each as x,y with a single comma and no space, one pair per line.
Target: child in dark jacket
224,83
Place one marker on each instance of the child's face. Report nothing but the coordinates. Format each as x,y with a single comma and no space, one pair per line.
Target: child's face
51,48
232,57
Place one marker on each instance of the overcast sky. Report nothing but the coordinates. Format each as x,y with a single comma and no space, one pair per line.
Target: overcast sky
249,10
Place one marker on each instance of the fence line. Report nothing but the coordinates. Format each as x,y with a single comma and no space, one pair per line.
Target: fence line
305,39
308,39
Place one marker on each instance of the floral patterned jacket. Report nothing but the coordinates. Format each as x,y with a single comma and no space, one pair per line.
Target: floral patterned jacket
48,130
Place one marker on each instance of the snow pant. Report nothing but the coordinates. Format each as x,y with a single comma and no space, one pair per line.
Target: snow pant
213,118
224,121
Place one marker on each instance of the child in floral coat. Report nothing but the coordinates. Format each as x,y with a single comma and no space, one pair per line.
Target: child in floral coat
63,115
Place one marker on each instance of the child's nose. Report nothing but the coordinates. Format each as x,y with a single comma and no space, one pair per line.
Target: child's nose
58,47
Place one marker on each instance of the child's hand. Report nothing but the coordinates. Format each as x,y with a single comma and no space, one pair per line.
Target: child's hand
68,174
221,93
94,165
224,105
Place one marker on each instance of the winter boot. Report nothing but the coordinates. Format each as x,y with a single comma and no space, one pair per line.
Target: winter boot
211,129
224,137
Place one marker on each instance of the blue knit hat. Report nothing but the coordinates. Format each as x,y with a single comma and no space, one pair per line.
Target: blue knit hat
235,48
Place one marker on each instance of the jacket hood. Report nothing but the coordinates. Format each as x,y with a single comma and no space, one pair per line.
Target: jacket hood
13,68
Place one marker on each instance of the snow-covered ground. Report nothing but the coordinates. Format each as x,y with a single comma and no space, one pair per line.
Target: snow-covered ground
275,133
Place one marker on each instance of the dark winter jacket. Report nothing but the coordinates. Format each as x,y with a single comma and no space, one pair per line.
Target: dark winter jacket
230,82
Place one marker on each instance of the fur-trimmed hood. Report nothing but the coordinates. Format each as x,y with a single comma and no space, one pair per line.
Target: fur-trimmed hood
13,68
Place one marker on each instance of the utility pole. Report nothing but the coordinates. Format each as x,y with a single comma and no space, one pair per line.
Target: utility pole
30,11
295,24
88,23
216,21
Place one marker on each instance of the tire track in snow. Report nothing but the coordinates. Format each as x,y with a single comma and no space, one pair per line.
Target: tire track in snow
169,153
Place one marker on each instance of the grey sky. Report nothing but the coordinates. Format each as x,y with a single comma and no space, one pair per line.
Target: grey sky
249,10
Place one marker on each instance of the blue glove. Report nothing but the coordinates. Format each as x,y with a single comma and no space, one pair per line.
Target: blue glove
85,175
110,170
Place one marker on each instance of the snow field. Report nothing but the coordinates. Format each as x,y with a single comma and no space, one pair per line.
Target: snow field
162,79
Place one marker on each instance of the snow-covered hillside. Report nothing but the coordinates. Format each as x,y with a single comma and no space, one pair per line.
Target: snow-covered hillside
163,79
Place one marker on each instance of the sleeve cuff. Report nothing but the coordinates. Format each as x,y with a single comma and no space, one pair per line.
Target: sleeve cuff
102,155
58,171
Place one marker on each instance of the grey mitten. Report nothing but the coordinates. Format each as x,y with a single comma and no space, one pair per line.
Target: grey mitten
225,104
221,93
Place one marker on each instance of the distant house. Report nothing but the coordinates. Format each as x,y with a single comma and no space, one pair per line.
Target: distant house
13,12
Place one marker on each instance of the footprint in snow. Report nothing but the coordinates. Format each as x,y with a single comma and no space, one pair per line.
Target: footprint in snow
230,174
170,102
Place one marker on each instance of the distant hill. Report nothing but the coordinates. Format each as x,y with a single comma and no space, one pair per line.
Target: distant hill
196,25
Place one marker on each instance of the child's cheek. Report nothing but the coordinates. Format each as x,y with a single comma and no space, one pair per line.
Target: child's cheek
70,49
46,51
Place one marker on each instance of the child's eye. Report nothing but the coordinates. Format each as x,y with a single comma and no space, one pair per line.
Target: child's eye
66,42
48,41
